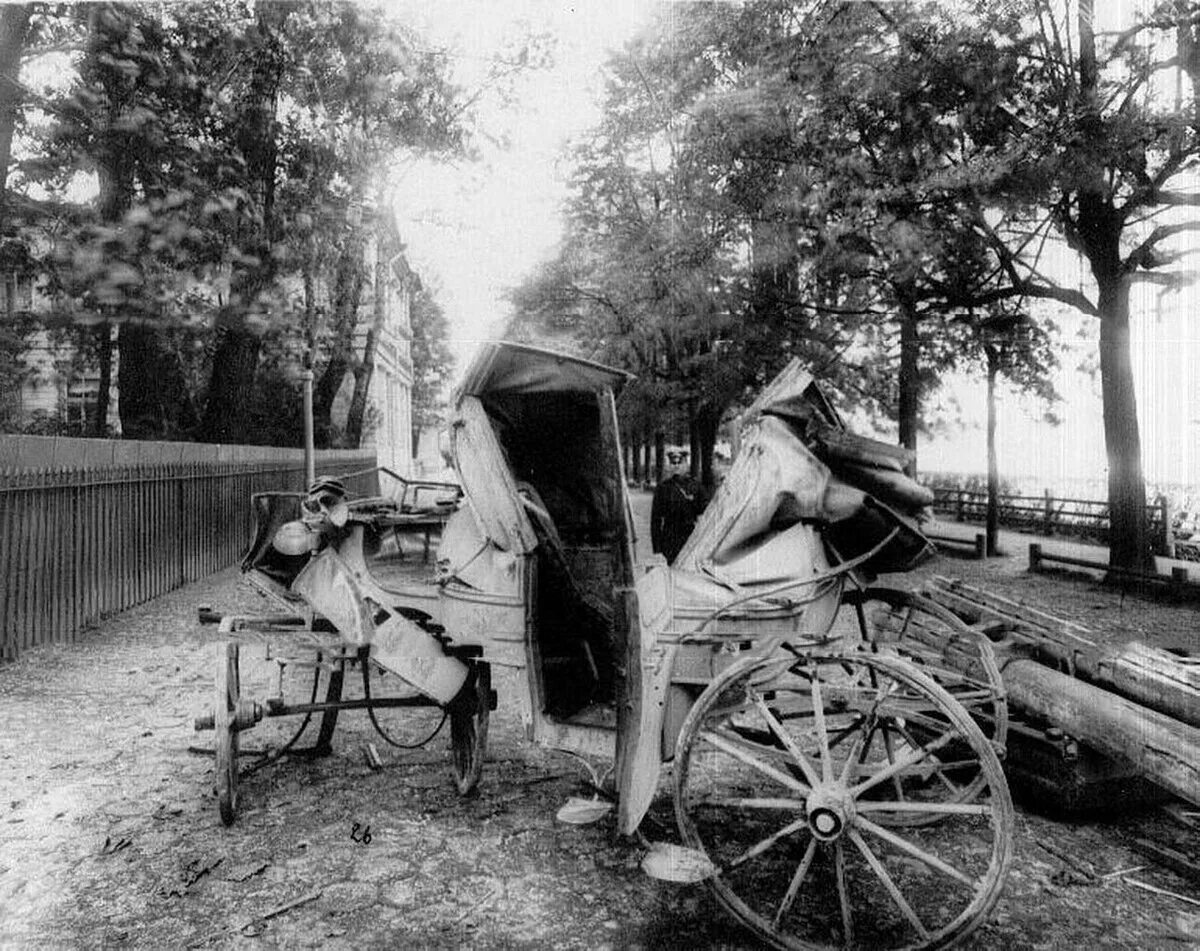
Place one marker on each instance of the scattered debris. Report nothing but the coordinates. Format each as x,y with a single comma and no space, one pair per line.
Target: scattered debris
1079,871
1160,891
257,925
1176,812
582,812
675,863
372,755
1109,876
294,903
191,873
244,870
112,847
1170,858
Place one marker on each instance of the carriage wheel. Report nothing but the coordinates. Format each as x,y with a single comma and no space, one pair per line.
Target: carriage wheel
787,772
225,706
958,658
468,730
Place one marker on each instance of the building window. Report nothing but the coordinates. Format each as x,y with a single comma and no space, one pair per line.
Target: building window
79,407
16,293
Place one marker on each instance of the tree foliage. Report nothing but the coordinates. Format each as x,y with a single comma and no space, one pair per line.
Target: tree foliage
846,181
1097,153
764,184
240,154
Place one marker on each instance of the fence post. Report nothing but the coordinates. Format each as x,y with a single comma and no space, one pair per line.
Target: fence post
1168,536
1035,556
1048,520
958,506
1179,578
980,546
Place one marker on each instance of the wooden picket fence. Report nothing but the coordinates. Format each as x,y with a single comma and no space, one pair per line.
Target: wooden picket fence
79,544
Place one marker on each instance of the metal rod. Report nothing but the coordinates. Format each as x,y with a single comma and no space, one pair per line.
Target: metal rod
310,458
375,703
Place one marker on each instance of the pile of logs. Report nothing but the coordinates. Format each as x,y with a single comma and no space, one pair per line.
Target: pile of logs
1136,705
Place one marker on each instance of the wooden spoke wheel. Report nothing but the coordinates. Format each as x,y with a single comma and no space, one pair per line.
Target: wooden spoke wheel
790,772
958,658
469,727
225,710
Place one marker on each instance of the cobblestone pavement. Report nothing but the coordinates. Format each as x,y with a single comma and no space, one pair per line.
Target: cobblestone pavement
109,835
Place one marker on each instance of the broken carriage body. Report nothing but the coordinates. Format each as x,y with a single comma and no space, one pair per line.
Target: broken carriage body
835,779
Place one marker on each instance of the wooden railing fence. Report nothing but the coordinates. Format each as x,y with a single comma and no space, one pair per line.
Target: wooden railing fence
1048,515
78,544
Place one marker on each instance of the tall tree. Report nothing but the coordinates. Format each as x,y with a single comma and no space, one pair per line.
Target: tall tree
14,28
353,94
239,322
1096,150
1013,347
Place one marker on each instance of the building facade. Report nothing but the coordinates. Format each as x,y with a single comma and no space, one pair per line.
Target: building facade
383,337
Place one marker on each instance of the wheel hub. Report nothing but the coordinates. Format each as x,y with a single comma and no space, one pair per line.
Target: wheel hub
829,810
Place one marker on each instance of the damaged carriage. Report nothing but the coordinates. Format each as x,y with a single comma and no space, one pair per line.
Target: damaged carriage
831,747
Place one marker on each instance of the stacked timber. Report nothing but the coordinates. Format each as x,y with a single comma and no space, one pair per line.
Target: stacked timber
1135,704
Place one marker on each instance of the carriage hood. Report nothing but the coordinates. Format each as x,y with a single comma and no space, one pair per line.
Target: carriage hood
502,367
527,417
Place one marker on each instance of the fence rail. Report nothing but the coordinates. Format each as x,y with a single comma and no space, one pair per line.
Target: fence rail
1050,515
78,544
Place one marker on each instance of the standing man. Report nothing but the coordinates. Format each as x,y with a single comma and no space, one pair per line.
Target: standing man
677,504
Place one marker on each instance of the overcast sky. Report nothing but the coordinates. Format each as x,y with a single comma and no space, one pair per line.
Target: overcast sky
476,229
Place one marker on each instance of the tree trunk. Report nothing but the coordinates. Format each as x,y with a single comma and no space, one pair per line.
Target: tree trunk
14,28
992,522
235,363
230,386
660,455
155,403
104,356
324,393
1129,542
347,294
909,406
708,421
1099,228
366,366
